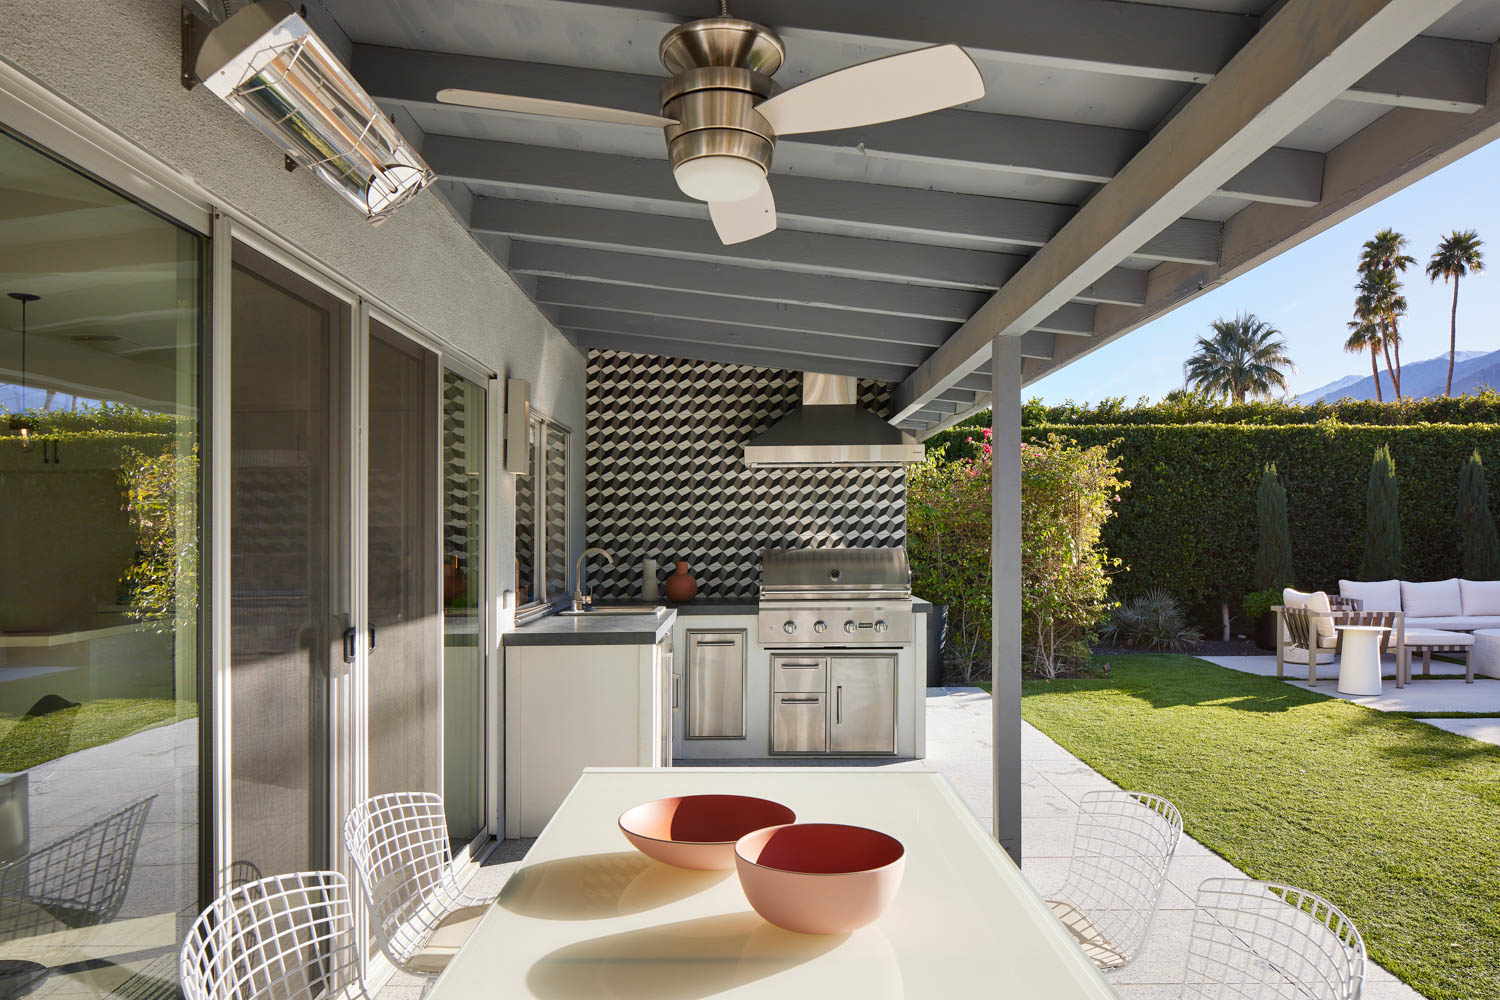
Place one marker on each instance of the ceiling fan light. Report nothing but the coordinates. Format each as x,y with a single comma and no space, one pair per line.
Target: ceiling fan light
719,178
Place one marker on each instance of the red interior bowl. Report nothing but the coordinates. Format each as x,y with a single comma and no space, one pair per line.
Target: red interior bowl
820,878
698,831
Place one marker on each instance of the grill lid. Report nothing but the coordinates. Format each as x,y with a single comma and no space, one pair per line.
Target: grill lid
836,572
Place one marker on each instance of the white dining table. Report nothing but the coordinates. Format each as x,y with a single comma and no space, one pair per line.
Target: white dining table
587,916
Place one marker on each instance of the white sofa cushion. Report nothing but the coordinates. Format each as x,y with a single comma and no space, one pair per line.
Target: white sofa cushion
1456,623
1480,597
1439,599
1382,596
1315,601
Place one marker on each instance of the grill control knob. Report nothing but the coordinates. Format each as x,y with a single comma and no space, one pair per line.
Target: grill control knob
820,626
789,627
882,626
851,626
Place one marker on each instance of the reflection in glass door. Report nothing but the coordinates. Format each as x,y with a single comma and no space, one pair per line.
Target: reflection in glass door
100,326
463,633
404,696
289,558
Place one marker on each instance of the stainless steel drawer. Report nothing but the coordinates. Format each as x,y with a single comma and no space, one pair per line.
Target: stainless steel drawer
799,673
799,723
715,685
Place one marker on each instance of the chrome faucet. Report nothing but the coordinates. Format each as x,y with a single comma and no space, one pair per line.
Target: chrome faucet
582,601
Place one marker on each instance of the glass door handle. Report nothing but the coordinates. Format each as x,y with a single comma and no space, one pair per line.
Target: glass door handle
350,635
372,636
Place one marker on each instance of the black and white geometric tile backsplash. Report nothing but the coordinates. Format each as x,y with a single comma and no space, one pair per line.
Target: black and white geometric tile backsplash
666,478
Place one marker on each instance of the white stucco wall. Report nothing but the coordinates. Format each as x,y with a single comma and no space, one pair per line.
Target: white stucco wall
118,60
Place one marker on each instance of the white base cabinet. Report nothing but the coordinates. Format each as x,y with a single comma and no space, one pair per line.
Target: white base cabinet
574,706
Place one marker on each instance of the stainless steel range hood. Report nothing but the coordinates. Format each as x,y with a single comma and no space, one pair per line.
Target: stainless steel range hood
831,428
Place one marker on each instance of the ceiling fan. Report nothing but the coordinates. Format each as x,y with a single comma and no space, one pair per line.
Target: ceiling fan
721,113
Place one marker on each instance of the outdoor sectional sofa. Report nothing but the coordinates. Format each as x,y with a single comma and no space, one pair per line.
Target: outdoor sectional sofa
1425,614
1451,605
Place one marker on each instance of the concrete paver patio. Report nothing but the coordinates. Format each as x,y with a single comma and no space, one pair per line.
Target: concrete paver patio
1444,691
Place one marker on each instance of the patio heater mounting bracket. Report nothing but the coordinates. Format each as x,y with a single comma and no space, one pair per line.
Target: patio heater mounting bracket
194,30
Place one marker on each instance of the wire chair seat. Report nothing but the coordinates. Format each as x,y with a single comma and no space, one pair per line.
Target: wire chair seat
1123,845
1254,940
419,913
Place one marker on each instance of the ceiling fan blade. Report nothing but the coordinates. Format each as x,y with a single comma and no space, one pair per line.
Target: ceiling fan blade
881,90
557,109
738,221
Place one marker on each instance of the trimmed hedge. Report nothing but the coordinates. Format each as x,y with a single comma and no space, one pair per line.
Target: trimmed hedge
1182,407
1187,523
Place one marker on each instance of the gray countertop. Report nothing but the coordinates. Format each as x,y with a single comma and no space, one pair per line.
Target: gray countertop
598,628
746,606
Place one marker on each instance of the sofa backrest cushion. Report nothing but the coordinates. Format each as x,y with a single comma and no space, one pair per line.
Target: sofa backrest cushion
1440,599
1384,595
1315,601
1480,597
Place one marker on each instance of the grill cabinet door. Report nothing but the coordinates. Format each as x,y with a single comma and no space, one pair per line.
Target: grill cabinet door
862,704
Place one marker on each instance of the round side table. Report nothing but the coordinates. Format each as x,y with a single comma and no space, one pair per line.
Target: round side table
1359,659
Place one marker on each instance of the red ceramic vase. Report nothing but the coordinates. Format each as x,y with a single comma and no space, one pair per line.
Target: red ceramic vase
680,586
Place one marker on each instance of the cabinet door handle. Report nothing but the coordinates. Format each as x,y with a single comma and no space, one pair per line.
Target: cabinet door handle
799,666
838,705
799,701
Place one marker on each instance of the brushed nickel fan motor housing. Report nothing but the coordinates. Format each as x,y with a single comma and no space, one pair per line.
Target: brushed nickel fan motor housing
721,69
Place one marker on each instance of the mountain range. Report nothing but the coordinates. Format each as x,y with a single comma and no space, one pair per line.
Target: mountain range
1419,379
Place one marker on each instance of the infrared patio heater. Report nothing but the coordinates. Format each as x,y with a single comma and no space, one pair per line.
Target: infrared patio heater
267,63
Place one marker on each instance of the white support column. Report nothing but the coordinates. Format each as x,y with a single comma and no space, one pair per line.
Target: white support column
1005,563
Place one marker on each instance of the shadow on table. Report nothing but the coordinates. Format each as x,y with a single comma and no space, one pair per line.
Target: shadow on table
692,959
591,886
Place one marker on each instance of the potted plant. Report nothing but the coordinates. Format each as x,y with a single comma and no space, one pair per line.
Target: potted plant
1257,605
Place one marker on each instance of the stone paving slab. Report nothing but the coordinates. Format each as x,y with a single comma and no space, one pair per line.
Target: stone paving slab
1444,691
1484,730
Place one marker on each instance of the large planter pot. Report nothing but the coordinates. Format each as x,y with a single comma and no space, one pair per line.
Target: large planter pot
1265,631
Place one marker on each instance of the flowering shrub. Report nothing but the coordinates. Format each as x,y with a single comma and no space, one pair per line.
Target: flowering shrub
1067,493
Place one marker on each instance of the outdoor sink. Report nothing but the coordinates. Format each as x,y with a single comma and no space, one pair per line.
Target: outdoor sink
620,609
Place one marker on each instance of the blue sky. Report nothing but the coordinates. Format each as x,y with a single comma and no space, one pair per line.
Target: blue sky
1307,293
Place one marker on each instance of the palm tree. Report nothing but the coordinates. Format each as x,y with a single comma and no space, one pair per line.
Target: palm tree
1364,335
1456,256
1382,259
1245,356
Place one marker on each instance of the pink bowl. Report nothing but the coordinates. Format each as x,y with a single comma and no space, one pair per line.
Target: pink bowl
698,831
819,878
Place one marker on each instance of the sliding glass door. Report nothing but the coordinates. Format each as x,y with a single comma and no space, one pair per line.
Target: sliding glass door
289,539
405,660
101,322
463,623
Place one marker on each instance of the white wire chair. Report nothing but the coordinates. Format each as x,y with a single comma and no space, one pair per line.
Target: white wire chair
1121,850
400,847
1255,940
285,937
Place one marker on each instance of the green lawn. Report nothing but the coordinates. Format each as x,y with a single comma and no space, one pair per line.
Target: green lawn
1396,821
29,740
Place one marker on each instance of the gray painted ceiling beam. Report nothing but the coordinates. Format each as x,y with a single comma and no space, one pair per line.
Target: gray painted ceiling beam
818,253
793,288
746,335
1009,143
858,327
612,340
733,278
1105,36
875,211
1304,55
813,347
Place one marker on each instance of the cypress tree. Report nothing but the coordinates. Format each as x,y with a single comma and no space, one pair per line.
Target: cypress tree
1273,560
1478,544
1382,522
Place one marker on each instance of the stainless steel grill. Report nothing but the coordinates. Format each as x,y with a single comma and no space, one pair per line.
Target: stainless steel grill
836,597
